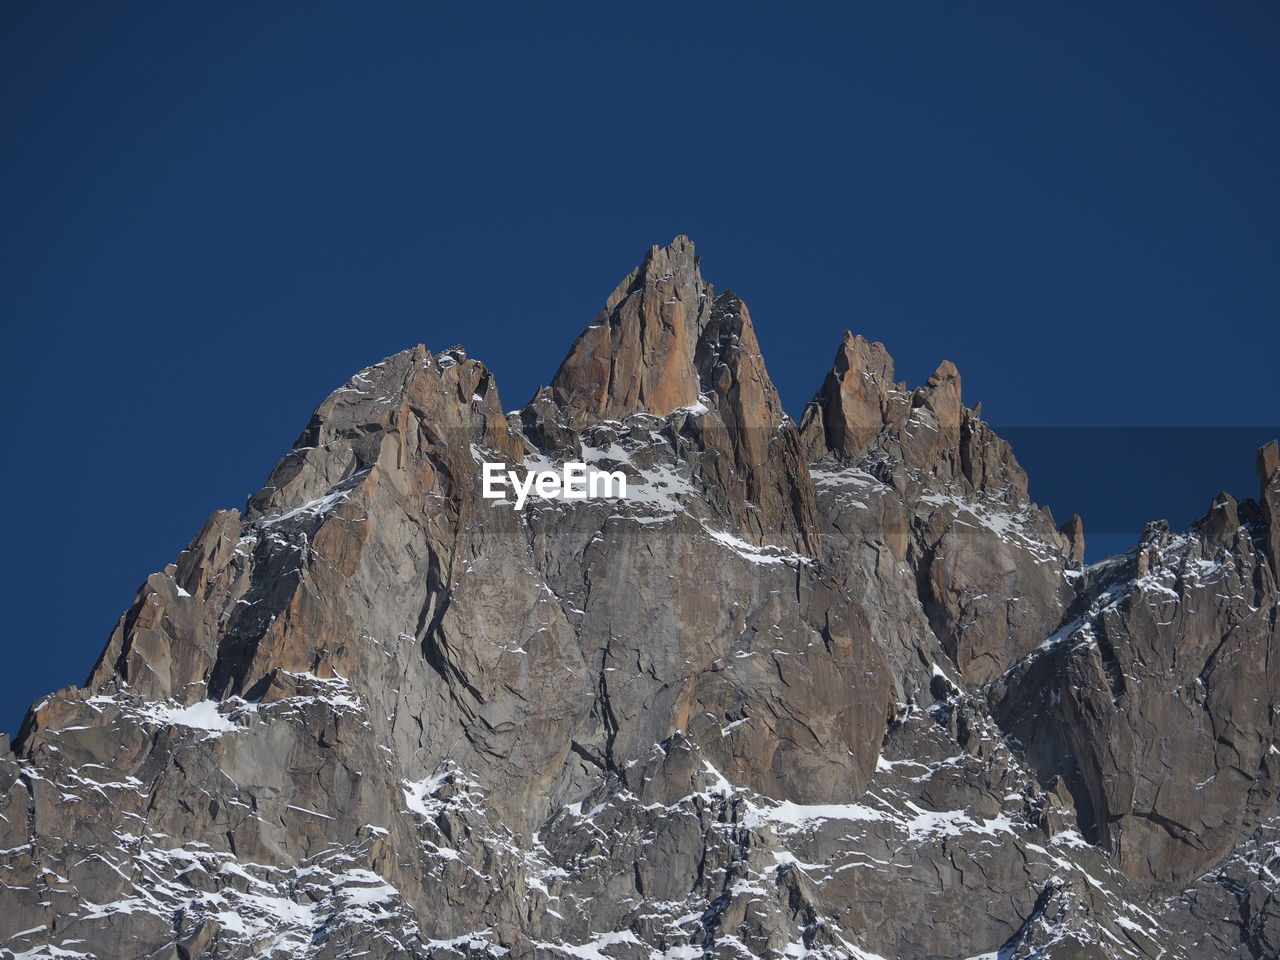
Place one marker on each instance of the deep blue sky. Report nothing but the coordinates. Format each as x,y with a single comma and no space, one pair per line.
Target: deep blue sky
213,214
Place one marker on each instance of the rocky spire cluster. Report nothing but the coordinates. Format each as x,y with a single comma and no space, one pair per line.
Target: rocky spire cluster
835,689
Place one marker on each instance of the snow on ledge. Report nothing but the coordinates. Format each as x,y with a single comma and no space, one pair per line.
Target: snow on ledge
199,716
749,551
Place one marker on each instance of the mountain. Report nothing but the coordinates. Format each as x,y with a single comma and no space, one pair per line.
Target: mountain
834,688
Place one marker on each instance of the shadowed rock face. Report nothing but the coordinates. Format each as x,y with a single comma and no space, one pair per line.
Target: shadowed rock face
1269,476
837,690
1157,703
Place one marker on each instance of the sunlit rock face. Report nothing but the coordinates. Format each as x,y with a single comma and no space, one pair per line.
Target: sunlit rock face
835,688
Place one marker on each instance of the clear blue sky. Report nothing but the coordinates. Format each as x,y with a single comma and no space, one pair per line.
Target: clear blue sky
214,213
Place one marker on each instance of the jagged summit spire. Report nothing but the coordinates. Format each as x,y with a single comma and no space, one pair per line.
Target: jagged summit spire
853,404
664,343
859,406
676,259
637,355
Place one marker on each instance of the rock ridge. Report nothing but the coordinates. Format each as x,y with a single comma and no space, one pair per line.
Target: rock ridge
830,690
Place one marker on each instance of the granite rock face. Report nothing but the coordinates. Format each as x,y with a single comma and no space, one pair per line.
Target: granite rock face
834,689
635,355
1156,704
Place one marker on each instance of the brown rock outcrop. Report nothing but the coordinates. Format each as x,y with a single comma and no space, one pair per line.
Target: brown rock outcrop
1073,536
860,411
636,357
857,400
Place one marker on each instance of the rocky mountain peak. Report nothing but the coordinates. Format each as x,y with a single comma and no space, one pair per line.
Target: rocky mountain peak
637,355
860,413
1073,540
666,346
731,370
941,394
854,403
1268,461
802,693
